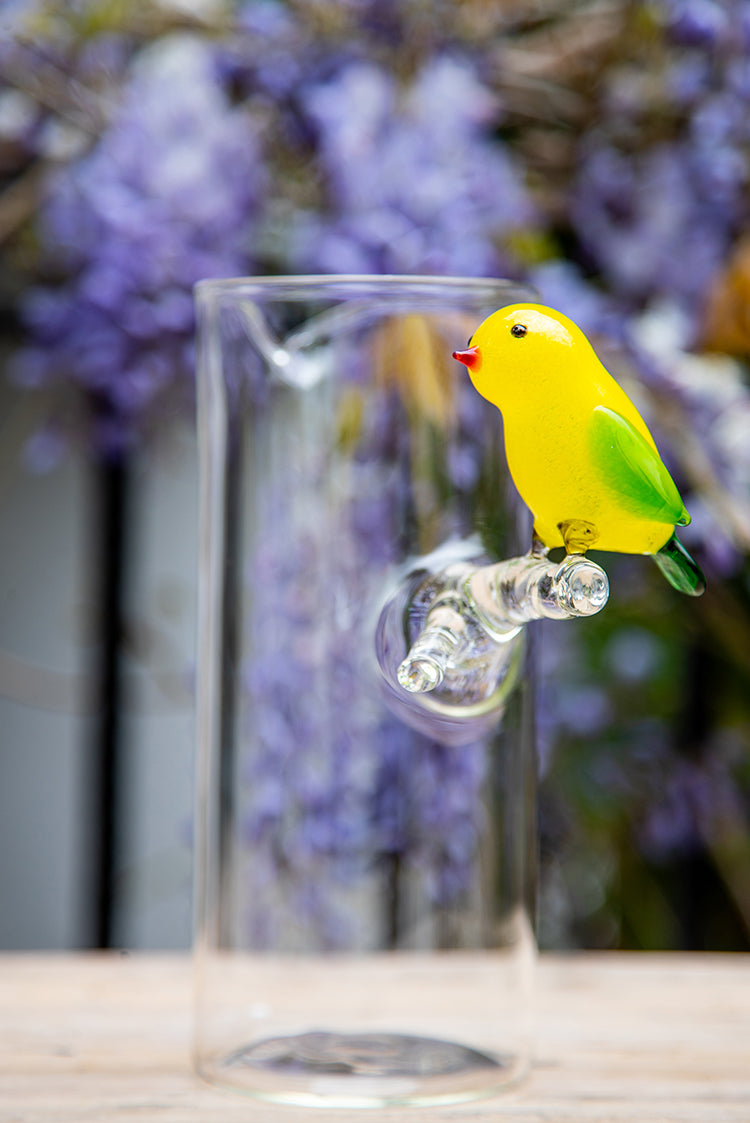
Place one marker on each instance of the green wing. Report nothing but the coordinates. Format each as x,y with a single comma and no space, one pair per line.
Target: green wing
632,468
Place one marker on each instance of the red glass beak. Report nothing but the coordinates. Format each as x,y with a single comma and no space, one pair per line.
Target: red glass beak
471,357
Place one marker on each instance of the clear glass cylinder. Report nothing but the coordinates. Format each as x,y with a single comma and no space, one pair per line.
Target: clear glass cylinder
364,884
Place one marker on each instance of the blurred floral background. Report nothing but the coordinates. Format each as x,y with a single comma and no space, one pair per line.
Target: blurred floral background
597,150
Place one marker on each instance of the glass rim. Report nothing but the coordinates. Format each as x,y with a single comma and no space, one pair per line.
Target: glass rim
285,284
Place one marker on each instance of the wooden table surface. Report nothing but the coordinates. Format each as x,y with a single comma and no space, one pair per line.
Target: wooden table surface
619,1038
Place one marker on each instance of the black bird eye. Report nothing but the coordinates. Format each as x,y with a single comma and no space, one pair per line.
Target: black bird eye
519,330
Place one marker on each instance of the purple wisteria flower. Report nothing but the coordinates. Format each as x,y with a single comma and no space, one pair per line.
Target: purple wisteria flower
658,219
413,183
166,198
648,226
696,23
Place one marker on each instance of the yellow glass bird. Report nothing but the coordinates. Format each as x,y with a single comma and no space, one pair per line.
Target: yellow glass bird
577,448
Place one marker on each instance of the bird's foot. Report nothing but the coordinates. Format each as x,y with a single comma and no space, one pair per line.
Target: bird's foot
578,535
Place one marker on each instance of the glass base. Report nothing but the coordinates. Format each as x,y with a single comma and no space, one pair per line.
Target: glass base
322,1068
366,1054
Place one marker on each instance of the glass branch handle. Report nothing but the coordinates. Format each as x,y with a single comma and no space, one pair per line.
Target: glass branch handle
499,599
449,641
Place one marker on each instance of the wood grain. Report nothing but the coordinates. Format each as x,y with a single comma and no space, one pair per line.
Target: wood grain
619,1038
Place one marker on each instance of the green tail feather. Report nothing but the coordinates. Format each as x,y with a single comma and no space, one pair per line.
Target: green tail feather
679,568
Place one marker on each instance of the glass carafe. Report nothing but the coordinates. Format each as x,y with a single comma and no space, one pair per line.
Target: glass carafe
365,870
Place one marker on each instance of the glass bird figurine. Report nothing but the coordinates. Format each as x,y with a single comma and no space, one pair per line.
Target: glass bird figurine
579,452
